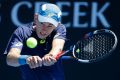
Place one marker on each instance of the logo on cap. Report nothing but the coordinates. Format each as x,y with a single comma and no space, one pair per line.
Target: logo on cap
50,13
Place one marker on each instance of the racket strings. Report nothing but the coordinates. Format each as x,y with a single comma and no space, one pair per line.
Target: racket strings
94,47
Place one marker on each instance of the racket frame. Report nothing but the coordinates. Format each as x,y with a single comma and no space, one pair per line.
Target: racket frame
100,58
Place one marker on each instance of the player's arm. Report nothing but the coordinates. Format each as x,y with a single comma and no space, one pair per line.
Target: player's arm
12,57
57,46
15,59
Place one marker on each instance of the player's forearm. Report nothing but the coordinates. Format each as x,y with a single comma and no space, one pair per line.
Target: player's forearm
12,60
13,56
17,60
55,51
57,46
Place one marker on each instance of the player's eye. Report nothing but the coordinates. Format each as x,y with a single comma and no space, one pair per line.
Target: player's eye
41,22
50,26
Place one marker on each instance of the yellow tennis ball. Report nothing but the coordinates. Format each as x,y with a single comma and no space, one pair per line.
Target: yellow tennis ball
31,42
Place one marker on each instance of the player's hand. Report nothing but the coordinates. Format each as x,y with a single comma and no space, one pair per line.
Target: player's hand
48,60
34,61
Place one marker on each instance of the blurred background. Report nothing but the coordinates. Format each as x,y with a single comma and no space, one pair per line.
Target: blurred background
79,17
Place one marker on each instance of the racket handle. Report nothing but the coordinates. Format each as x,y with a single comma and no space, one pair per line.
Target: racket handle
67,57
59,55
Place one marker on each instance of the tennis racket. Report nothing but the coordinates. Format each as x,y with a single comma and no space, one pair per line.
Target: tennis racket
94,47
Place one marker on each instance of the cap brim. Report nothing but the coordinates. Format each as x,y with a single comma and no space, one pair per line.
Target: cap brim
46,19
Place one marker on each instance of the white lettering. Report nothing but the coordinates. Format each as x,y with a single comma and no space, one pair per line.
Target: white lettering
98,14
78,14
79,18
14,12
61,4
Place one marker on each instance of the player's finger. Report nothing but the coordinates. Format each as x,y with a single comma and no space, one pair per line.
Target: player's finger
39,61
32,62
44,60
53,59
35,61
29,62
48,61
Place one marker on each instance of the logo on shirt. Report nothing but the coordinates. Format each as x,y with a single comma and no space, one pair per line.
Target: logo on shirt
18,44
58,34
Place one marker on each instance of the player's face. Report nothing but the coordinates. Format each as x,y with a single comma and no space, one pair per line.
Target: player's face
43,29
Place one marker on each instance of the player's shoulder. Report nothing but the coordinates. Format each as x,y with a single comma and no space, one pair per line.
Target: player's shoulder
24,28
61,28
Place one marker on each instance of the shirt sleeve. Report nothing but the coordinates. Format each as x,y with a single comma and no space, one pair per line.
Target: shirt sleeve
16,40
60,32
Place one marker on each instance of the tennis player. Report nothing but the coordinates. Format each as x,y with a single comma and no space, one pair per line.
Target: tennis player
39,63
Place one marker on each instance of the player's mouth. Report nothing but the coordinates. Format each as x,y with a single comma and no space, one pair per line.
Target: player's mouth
43,34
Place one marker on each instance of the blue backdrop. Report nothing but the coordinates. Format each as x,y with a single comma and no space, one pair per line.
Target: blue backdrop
79,16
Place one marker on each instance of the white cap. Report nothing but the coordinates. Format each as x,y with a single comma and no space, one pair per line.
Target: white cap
50,13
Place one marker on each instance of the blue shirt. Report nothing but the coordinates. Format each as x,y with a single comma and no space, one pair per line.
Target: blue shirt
18,40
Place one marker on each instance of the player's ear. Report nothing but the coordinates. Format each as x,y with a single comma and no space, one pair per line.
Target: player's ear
35,17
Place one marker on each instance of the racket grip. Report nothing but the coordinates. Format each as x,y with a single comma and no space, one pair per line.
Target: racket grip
59,55
67,57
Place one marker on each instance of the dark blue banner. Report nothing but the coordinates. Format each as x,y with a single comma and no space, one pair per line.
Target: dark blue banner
79,17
